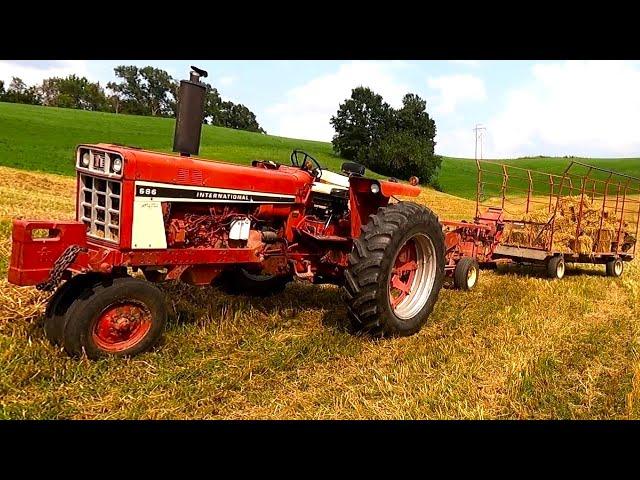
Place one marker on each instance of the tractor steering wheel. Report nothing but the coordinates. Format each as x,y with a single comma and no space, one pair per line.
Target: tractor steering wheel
306,163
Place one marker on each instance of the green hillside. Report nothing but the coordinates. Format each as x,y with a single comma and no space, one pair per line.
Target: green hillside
458,176
44,139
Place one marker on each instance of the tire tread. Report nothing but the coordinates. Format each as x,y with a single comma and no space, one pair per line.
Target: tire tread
363,276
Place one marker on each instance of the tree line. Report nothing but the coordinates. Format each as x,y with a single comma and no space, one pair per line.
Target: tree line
395,142
137,91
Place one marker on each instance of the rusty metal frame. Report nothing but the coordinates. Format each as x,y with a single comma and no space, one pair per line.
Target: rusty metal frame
627,196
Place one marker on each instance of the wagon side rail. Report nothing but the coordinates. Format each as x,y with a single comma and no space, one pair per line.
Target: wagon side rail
522,193
616,196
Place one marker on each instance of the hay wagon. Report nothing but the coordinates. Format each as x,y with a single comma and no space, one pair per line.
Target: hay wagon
586,215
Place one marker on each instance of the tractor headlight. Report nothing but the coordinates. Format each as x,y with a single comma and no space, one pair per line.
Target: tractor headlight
86,159
375,188
116,165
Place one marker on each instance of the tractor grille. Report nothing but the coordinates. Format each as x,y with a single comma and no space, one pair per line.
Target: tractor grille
99,207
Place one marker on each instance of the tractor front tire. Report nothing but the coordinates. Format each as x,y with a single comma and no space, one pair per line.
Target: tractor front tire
241,282
466,273
121,316
395,272
614,268
59,303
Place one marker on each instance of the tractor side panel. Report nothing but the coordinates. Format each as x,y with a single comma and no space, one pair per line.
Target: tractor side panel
170,169
148,225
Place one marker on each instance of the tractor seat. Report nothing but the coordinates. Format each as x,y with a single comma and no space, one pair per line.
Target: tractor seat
329,181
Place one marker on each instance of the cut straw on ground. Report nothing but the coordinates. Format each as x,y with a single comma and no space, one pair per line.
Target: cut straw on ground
518,346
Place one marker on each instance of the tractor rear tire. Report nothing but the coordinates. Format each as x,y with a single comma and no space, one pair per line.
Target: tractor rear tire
241,282
59,303
121,316
556,267
395,272
466,274
615,267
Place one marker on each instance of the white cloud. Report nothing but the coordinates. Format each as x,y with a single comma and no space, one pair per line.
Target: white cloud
306,110
34,71
587,108
226,81
456,89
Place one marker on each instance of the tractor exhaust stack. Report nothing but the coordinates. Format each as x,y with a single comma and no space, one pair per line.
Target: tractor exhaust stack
186,139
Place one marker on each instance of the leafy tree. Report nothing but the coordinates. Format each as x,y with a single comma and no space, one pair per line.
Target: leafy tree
360,122
236,115
114,103
398,143
144,91
95,97
228,114
173,99
213,106
413,117
18,92
73,92
131,91
413,120
139,91
402,154
158,87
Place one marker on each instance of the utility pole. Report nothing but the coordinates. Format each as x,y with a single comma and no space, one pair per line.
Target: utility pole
479,133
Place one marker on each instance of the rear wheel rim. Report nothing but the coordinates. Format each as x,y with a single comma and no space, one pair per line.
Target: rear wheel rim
121,326
472,276
412,277
617,268
560,269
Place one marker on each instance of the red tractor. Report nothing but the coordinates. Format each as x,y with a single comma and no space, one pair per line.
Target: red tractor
251,229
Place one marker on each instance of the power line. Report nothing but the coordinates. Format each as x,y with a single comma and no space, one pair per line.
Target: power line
479,130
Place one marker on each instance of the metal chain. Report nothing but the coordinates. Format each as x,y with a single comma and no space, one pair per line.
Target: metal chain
59,267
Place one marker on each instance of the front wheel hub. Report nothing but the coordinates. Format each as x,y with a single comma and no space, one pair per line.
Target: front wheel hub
121,326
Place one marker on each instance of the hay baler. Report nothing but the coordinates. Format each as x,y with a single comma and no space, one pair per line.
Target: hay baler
250,229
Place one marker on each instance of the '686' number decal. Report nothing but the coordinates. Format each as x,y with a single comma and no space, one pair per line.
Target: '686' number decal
147,191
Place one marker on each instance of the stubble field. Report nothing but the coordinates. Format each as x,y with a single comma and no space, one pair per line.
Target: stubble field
518,346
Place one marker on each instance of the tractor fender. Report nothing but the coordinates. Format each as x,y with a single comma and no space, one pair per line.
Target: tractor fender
367,195
389,189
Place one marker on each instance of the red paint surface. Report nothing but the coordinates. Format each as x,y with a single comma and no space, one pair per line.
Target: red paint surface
310,242
403,273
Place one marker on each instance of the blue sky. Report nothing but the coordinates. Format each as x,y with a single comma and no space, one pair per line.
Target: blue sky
584,108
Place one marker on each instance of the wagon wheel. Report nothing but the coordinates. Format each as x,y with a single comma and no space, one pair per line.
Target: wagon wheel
556,267
466,274
615,267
